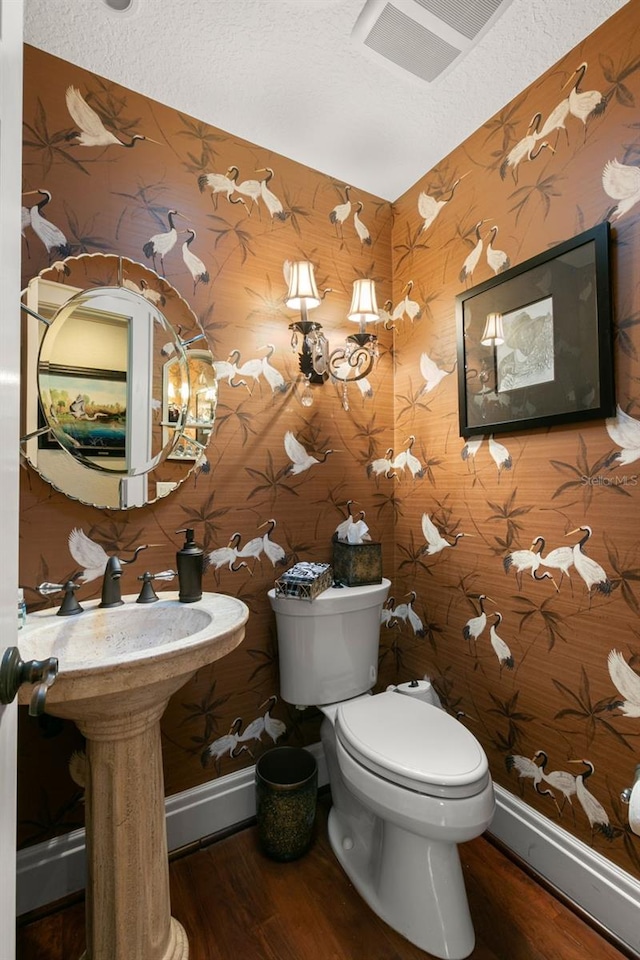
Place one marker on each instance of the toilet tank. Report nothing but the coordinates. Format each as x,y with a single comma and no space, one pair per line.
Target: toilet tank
328,647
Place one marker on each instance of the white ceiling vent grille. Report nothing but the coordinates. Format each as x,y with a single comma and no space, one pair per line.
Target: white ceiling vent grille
466,16
410,45
424,37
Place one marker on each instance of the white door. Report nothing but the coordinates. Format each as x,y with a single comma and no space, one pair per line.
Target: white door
11,12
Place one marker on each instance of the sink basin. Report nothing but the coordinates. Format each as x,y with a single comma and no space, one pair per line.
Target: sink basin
117,635
117,669
109,651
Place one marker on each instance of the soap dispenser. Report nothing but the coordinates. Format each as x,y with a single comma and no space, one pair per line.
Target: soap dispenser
190,562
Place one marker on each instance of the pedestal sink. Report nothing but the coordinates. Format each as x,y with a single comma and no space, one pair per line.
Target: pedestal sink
117,670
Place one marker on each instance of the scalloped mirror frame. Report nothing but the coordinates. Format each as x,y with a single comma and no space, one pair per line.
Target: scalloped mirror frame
184,440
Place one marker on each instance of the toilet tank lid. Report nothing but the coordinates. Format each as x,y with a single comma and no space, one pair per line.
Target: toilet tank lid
332,601
412,738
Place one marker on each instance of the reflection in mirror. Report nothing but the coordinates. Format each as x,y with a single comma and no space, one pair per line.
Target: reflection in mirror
100,333
105,416
200,396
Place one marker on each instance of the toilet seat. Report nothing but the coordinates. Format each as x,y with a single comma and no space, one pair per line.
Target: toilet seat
413,744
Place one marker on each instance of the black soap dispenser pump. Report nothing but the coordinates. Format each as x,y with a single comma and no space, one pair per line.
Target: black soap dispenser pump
190,562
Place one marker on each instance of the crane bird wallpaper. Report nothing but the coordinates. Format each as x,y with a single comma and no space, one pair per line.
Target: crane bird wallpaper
514,558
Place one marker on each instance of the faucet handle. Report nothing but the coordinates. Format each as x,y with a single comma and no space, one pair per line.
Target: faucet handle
147,593
70,605
47,588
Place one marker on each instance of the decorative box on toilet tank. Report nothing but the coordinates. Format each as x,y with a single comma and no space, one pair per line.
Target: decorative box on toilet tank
304,580
357,564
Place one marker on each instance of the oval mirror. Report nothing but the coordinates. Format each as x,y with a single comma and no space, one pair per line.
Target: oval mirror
116,409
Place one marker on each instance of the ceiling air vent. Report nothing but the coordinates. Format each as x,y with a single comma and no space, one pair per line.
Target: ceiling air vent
424,37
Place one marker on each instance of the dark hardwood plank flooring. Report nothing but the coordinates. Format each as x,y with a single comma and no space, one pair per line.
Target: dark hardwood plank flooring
236,904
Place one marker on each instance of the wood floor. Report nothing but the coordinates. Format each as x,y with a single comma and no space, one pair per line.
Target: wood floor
235,904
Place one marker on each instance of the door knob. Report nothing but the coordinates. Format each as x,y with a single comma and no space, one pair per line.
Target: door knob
14,672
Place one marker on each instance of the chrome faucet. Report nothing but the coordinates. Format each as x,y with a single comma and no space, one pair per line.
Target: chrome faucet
111,595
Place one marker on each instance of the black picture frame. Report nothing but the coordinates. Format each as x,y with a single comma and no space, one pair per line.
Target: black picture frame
556,362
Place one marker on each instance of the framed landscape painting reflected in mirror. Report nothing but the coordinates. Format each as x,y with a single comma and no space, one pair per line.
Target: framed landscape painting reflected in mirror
89,407
535,342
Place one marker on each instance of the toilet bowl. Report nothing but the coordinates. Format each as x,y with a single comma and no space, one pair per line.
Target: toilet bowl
408,781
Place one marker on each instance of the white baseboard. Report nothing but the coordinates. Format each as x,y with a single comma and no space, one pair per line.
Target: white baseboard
603,890
48,871
52,870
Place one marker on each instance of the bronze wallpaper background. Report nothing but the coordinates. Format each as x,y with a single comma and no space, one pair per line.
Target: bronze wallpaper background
547,684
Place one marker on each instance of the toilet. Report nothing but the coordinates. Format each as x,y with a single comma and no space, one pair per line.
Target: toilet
408,781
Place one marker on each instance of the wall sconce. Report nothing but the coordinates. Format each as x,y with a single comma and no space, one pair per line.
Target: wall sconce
493,334
353,359
183,391
205,400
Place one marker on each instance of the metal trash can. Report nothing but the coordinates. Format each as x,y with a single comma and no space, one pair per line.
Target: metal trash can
286,797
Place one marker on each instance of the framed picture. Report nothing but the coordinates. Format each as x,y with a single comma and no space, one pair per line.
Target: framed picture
88,405
535,342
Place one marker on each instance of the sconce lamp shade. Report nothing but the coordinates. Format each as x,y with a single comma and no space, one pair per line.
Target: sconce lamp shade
364,308
493,334
349,362
303,291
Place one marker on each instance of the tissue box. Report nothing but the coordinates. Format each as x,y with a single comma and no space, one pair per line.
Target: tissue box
304,581
356,564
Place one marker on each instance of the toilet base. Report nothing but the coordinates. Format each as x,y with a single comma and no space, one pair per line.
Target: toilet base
411,882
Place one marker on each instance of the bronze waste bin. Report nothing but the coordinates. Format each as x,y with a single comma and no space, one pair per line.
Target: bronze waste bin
286,797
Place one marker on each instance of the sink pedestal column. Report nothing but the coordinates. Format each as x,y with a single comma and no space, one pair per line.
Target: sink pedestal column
128,911
117,670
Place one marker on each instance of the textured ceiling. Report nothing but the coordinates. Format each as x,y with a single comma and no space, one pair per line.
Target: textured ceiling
286,74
